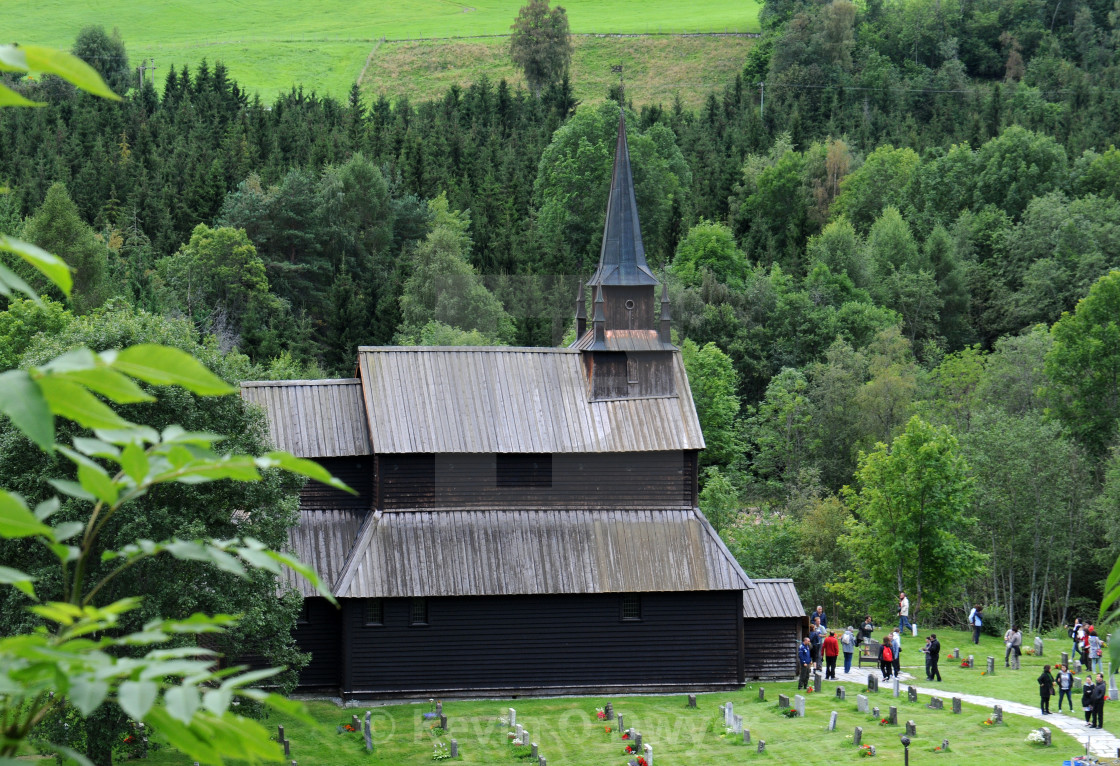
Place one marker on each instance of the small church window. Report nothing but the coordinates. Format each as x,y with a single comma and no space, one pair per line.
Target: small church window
532,470
631,607
631,370
419,613
375,612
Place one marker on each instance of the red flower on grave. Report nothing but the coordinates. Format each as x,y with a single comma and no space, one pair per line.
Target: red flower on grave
629,750
642,761
129,739
626,735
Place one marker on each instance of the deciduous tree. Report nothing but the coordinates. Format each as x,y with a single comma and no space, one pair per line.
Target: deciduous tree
540,44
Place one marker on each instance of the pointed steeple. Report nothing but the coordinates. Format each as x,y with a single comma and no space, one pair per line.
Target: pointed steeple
581,313
599,318
622,257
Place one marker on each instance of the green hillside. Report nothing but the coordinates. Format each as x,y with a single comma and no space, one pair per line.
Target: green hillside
269,45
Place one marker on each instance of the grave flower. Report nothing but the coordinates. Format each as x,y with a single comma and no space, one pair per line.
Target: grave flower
626,735
629,750
607,729
866,751
1036,737
600,714
989,722
885,722
790,712
964,663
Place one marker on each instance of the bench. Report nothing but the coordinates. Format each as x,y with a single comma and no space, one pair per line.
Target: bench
869,653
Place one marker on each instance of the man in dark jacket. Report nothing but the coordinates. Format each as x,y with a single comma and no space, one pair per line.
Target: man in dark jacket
1100,691
934,655
804,660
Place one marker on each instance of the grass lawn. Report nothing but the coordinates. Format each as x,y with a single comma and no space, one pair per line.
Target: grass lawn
568,732
1017,686
657,68
270,45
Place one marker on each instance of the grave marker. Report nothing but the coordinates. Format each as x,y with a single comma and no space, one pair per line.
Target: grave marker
620,727
443,721
512,717
762,746
1113,692
746,736
956,654
840,693
875,712
638,742
894,686
542,761
832,721
738,724
1046,736
287,748
367,732
936,703
649,754
454,748
892,715
439,708
911,729
911,694
997,714
799,704
783,702
861,703
609,710
762,694
1065,659
857,736
944,744
1038,646
536,751
728,712
691,701
956,704
971,661
991,666
872,682
817,683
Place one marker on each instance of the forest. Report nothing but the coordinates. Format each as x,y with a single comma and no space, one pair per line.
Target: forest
891,244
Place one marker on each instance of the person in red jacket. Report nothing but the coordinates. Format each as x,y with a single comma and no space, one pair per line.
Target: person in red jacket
831,650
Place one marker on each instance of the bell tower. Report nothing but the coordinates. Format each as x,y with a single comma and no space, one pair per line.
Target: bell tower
627,351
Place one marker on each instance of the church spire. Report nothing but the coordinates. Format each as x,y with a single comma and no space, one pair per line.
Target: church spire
622,258
581,313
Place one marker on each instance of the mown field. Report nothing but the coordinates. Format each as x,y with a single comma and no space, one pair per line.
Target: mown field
270,45
569,733
657,68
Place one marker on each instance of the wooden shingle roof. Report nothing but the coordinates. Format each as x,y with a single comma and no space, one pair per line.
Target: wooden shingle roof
772,598
313,418
509,400
517,552
322,540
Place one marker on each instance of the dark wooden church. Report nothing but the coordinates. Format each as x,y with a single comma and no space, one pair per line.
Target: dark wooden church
527,519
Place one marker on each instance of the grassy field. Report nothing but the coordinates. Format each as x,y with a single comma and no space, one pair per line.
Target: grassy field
270,45
568,732
657,68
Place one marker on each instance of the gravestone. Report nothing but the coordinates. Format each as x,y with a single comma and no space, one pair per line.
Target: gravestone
691,701
971,661
944,744
997,714
762,694
737,724
911,694
638,742
762,746
525,737
875,712
872,682
991,665
1046,736
355,722
620,727
1038,646
649,754
287,748
817,683
832,721
609,710
536,751
1077,682
892,715
894,686
1065,659
1113,692
935,703
454,748
956,704
367,731
512,717
857,736
861,703
840,693
280,732
783,702
520,731
746,736
911,729
799,704
439,708
1076,666
728,712
956,654
542,761
443,722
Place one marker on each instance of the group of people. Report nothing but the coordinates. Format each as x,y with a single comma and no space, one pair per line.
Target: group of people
1093,694
1087,644
822,648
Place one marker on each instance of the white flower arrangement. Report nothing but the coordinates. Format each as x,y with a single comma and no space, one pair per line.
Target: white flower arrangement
1035,737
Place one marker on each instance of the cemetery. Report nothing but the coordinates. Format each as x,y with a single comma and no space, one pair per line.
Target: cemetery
571,731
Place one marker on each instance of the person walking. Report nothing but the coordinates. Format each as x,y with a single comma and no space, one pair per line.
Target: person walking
1064,683
848,646
934,655
1007,646
1045,688
1087,700
1095,650
831,649
1085,631
804,660
1016,646
815,639
1075,634
975,620
925,650
886,658
1100,691
903,612
896,647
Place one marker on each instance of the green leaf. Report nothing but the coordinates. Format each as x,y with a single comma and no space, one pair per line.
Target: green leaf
17,579
134,462
12,59
22,401
217,700
111,384
293,708
66,530
50,266
137,697
10,281
47,508
87,695
71,489
74,402
9,97
96,448
98,482
303,467
166,366
69,755
182,702
69,67
16,520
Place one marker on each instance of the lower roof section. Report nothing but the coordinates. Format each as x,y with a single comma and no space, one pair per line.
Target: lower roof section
322,540
772,598
511,552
